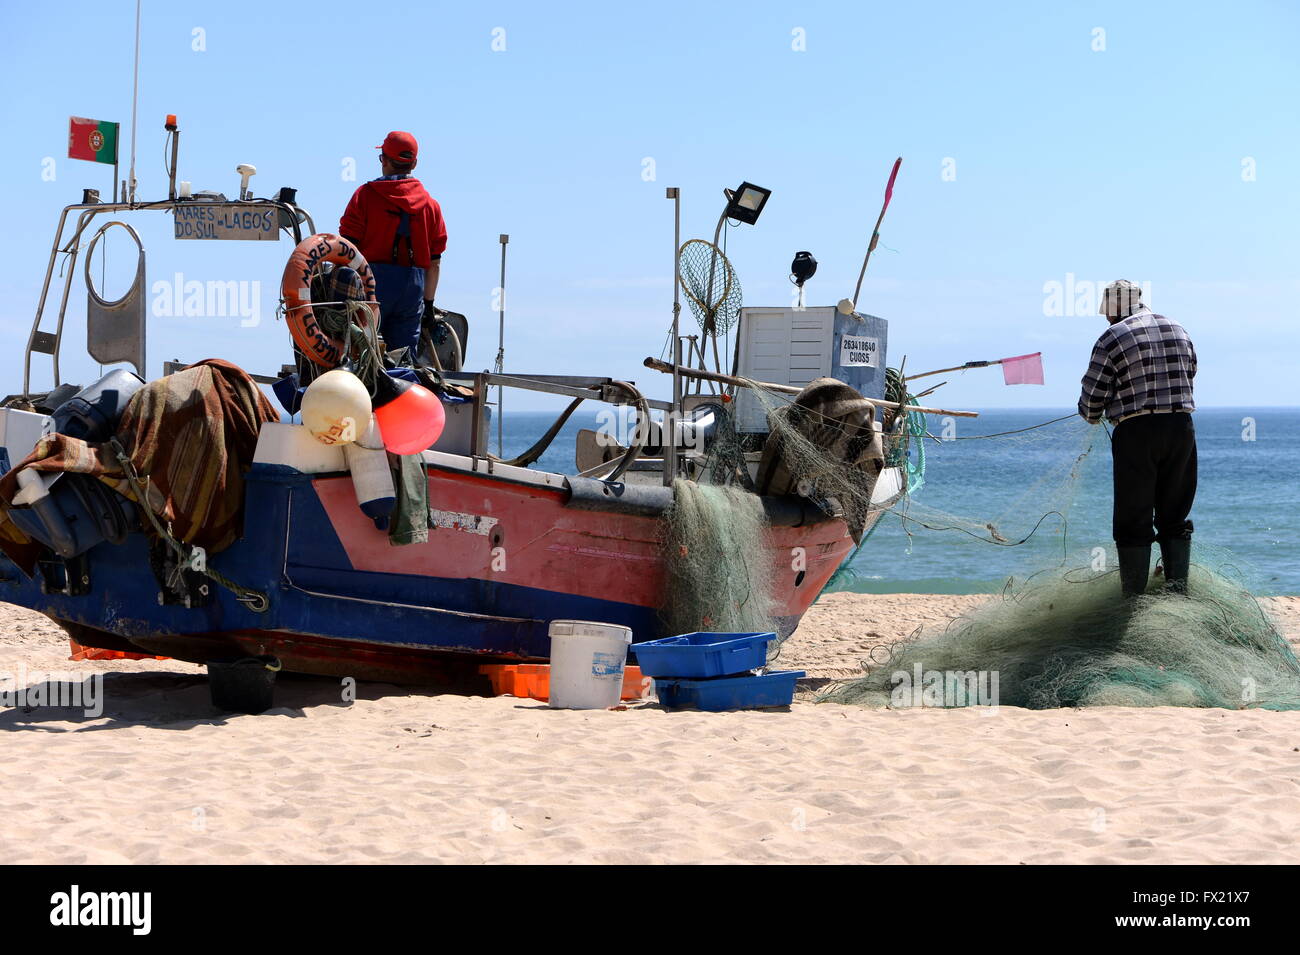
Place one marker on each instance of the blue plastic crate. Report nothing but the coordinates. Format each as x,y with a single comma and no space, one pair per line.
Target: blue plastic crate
703,655
729,692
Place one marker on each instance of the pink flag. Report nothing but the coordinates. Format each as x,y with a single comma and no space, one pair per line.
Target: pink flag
1023,369
889,189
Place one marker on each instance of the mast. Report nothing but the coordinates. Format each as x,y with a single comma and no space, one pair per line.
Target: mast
501,349
135,96
675,413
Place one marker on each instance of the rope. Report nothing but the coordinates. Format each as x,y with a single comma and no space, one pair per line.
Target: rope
1000,434
914,427
254,600
363,340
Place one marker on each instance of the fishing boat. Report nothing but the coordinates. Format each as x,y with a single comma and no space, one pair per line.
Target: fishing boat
311,579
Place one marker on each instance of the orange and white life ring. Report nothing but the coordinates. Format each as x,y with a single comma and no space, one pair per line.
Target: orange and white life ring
295,289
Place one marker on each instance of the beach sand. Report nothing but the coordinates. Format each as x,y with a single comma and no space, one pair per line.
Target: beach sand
413,776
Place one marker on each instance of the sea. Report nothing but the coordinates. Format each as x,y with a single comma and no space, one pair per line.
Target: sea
988,482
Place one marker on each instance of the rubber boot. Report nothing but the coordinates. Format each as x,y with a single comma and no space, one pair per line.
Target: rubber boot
1134,569
1176,555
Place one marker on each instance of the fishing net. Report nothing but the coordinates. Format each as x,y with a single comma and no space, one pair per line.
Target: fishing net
820,462
712,288
1058,635
824,446
1042,505
1035,521
717,557
1067,638
718,570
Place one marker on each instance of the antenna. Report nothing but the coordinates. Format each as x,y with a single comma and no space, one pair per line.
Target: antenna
501,349
246,171
135,96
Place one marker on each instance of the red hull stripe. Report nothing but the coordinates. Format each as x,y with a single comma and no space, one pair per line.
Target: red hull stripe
525,536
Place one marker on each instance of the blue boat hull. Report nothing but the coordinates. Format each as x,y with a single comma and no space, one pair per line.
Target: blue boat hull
324,616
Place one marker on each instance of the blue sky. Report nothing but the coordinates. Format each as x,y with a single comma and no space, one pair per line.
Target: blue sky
1135,161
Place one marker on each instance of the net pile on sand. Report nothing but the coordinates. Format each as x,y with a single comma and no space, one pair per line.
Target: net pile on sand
1068,639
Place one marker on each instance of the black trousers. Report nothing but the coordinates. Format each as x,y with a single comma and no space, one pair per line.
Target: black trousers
1154,457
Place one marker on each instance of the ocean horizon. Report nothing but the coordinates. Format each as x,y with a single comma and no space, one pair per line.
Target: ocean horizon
1247,511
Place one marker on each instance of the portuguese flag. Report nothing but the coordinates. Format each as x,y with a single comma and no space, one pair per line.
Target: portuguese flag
92,139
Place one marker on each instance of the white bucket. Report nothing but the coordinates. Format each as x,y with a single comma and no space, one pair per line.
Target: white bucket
587,664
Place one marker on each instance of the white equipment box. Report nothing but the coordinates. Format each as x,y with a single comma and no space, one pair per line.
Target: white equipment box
790,346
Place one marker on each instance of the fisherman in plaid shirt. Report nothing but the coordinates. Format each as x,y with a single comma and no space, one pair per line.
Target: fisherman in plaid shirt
1140,378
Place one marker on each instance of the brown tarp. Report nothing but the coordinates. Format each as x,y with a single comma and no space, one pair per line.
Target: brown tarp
191,434
837,421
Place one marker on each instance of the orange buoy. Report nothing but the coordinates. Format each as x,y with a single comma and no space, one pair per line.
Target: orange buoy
410,416
295,289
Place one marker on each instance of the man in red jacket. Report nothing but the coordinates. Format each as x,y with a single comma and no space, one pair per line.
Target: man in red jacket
398,227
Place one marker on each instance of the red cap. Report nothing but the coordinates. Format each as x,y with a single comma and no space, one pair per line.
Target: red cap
400,147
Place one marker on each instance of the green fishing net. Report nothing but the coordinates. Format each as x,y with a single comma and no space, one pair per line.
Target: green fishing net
1067,638
1058,635
717,563
717,557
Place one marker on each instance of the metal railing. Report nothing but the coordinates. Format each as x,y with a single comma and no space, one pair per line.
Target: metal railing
48,343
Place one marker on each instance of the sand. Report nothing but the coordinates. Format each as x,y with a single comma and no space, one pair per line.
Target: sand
402,776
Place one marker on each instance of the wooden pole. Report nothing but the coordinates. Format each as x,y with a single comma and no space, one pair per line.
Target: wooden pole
875,233
666,368
940,371
922,394
969,364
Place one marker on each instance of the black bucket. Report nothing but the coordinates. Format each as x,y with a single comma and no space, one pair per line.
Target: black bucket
243,685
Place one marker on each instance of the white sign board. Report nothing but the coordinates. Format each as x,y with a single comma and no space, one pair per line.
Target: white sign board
859,351
202,220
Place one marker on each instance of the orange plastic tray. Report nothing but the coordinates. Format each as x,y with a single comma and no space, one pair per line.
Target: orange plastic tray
532,681
94,653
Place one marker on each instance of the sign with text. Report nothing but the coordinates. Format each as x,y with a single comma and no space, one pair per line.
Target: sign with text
203,220
858,351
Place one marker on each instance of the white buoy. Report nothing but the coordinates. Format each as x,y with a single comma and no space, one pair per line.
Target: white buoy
336,407
372,480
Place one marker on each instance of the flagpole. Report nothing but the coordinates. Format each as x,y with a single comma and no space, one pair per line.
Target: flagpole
940,371
135,94
875,233
970,364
